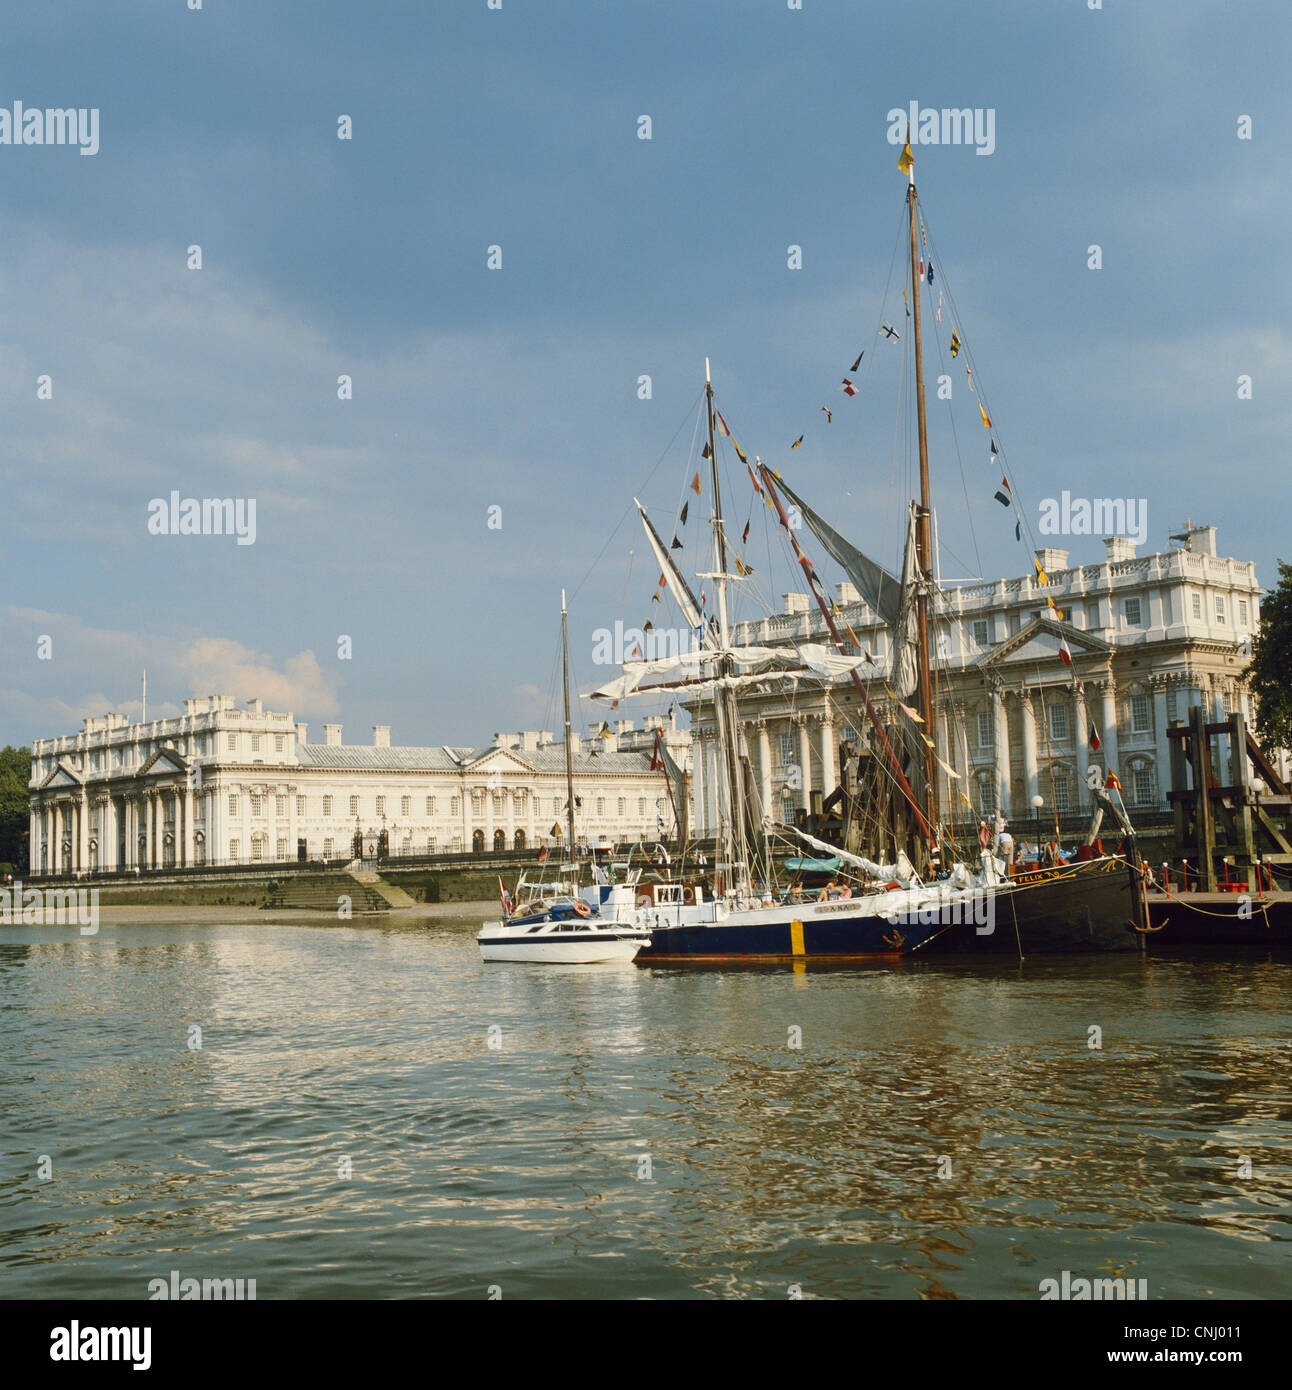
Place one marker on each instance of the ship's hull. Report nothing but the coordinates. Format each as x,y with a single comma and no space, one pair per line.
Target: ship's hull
1081,907
1095,906
550,950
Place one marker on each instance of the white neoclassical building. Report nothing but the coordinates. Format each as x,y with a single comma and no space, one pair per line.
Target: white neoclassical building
222,784
1150,636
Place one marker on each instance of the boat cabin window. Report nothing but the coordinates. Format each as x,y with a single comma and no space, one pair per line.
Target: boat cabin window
668,892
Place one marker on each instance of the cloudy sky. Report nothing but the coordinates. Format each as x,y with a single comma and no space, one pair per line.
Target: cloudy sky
517,388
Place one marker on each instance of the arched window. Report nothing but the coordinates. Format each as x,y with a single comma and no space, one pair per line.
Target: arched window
477,842
500,839
518,841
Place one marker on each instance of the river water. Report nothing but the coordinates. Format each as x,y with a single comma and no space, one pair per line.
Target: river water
374,1113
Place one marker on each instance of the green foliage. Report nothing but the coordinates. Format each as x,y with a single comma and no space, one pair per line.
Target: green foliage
1271,668
15,771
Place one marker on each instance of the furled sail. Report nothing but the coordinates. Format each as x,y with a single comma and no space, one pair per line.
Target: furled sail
681,592
892,599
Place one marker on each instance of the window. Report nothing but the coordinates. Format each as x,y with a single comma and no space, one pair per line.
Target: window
1142,780
327,805
455,807
1058,715
406,846
430,845
381,805
255,743
1220,608
980,633
641,806
354,805
986,729
300,805
787,808
987,796
328,847
255,805
282,849
1139,714
1062,794
430,805
623,807
1195,603
278,743
280,807
405,805
256,847
233,743
1242,612
787,749
1131,609
233,850
233,803
601,806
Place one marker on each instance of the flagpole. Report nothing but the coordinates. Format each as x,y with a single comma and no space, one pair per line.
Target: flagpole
923,546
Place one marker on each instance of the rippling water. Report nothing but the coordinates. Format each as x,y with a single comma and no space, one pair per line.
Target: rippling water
524,1167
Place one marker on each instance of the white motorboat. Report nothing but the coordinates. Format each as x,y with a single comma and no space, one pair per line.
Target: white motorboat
561,932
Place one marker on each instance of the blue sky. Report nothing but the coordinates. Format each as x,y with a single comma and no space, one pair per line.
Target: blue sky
518,387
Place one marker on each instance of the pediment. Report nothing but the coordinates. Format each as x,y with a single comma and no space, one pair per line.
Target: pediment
60,775
1038,642
499,760
165,762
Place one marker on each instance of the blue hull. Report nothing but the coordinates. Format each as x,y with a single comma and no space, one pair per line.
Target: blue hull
836,938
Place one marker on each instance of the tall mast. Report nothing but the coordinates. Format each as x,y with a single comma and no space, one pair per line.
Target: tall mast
923,547
724,701
569,755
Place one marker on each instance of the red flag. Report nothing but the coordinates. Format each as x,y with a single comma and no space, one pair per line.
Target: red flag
1094,740
754,480
847,387
1065,655
504,897
655,764
542,854
1111,783
695,484
722,424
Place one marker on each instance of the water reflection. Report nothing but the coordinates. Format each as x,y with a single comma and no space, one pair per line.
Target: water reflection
945,1129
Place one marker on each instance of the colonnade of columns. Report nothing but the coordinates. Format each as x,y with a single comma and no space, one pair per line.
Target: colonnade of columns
89,831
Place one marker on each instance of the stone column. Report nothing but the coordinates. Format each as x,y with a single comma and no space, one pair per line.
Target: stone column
715,788
698,818
1000,724
1160,741
150,828
56,840
189,811
1109,730
83,832
765,769
829,763
33,837
805,765
1031,778
1082,732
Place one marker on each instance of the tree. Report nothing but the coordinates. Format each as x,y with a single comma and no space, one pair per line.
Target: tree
1271,669
15,772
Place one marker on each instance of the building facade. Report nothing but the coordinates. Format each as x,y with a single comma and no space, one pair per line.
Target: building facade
221,784
1150,637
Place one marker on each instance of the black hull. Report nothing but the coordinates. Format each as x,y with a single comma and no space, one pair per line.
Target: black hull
1095,906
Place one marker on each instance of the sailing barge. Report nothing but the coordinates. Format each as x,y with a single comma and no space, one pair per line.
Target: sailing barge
917,891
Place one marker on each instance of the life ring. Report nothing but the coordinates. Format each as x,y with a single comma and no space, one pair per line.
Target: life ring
688,894
582,909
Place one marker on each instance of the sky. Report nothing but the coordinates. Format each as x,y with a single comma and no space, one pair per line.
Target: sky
497,433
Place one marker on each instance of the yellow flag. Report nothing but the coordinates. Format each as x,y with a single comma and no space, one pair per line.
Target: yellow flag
1040,573
907,160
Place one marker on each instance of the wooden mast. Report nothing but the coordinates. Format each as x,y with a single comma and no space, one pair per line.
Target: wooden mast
724,702
923,546
569,755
